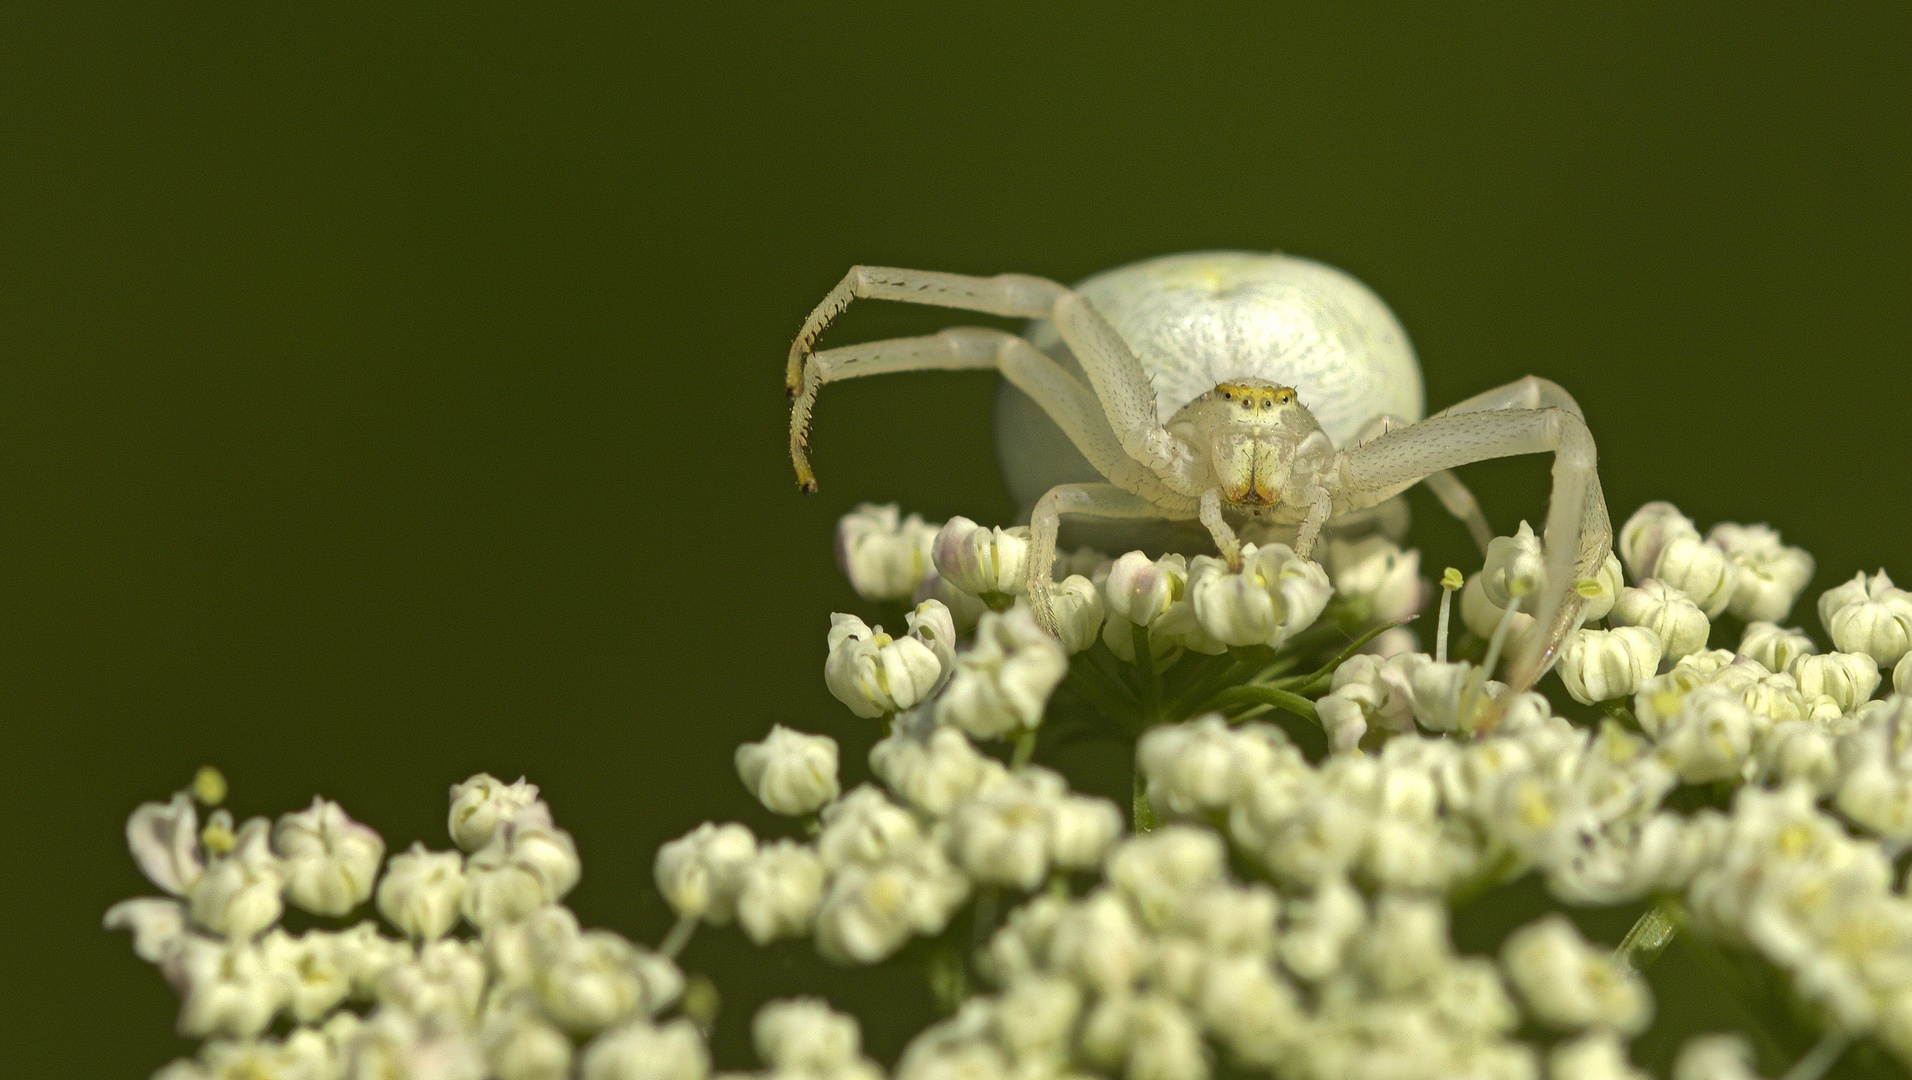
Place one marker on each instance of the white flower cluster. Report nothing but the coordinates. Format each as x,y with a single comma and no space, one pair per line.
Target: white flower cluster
514,1000
885,866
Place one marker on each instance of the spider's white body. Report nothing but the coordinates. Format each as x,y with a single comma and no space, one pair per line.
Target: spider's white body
1196,321
1228,388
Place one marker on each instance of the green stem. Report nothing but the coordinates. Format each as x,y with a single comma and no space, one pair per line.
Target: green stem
679,936
1025,749
1145,671
1195,698
1326,671
1269,695
1144,813
1112,698
1617,709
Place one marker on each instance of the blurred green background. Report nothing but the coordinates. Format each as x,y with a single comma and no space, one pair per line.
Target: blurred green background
389,397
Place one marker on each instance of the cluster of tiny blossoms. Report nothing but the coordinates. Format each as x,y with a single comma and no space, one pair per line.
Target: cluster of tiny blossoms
1259,907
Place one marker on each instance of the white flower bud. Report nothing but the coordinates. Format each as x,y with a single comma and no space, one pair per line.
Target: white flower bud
982,561
1444,697
1097,943
331,861
804,1035
1081,831
240,895
1251,1007
158,925
1515,569
1847,678
316,967
392,1043
366,955
1274,596
875,674
422,891
1077,604
1599,592
521,1045
933,770
1799,751
871,910
1192,767
597,979
865,827
1036,1016
884,555
1140,589
1647,532
1775,647
641,1050
701,872
1678,622
446,978
1406,943
1715,1057
224,988
1482,617
1321,928
164,839
1001,837
1878,797
1869,615
479,804
529,863
1699,569
782,887
1710,737
790,772
1771,575
1902,675
1160,870
1597,1055
1374,571
1570,984
1003,682
1600,665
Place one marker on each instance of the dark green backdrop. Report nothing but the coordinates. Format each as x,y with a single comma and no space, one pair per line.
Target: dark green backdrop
384,399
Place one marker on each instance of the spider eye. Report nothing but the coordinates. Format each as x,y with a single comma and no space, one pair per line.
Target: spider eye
1226,396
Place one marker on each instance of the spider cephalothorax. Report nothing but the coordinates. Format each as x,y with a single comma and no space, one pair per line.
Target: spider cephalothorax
1253,432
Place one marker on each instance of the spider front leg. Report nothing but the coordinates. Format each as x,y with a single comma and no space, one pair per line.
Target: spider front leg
1083,500
1578,533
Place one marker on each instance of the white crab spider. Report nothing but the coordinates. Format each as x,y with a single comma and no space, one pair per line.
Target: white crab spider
1232,388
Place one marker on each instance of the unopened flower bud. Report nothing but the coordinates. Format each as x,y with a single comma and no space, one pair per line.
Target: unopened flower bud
241,894
701,872
422,891
1871,616
790,772
1597,1055
983,562
1902,675
932,769
1699,569
529,863
806,1037
158,925
884,555
780,891
1709,736
964,609
1847,678
1274,596
1599,592
1003,682
1771,575
641,1050
1482,616
1716,1057
1515,569
331,861
1672,616
1568,983
875,674
1774,646
1077,604
1646,533
1600,665
1139,589
1376,573
481,803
